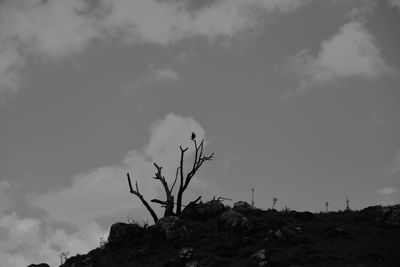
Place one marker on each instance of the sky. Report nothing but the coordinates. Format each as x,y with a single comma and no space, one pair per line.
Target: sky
298,99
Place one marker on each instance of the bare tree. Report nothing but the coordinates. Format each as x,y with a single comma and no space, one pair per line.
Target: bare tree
185,179
326,206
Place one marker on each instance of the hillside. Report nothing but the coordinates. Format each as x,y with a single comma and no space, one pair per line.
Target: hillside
211,234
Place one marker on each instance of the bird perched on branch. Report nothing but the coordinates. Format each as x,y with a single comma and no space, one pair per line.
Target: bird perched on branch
193,136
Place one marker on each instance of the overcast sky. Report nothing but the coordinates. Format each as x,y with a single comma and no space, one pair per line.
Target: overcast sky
298,99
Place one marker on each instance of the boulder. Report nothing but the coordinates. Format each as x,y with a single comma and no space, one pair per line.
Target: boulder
203,211
186,254
120,232
39,265
292,235
260,258
336,232
233,221
173,229
242,207
192,264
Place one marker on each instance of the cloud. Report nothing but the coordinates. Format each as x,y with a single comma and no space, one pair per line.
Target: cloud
387,190
395,167
352,52
166,137
375,119
395,3
11,63
54,29
103,192
94,195
6,201
388,195
153,76
28,240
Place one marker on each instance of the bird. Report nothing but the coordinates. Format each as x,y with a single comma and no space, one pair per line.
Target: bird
193,136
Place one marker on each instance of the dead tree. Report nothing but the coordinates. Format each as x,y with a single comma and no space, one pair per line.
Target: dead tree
185,179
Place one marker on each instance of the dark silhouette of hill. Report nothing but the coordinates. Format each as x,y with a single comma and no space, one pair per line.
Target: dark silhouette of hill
211,234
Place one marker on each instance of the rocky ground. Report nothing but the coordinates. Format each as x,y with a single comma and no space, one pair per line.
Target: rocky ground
212,234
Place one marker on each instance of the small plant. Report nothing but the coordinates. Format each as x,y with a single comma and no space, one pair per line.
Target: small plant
274,202
286,209
347,204
64,257
252,198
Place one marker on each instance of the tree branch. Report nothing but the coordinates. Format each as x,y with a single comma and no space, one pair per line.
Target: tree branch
176,177
163,203
140,196
194,201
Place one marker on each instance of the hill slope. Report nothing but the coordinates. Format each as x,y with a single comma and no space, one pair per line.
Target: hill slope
212,234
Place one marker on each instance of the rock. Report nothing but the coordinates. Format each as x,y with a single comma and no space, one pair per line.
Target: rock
186,254
185,259
174,262
336,232
173,228
203,211
192,264
124,232
387,215
242,207
394,216
260,257
39,265
292,235
305,215
233,221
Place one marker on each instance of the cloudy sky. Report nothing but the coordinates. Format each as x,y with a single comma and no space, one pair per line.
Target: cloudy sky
298,99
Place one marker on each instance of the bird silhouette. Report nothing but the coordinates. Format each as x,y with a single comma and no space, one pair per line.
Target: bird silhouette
193,136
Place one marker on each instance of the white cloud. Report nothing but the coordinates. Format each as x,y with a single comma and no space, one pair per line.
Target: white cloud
6,200
375,119
153,75
103,192
26,241
395,3
352,52
388,195
395,167
11,63
166,74
94,195
54,29
166,137
387,190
